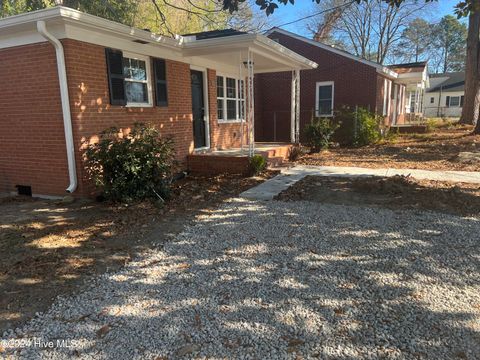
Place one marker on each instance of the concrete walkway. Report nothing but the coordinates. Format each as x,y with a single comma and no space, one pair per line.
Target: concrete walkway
269,189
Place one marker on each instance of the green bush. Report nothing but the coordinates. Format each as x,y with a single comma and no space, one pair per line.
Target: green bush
257,164
358,127
318,133
131,167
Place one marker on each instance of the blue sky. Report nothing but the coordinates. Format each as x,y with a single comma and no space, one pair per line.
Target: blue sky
303,8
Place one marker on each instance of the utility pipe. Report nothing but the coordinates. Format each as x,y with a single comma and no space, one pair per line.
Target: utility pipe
67,117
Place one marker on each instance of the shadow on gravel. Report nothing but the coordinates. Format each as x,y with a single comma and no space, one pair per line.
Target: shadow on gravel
286,279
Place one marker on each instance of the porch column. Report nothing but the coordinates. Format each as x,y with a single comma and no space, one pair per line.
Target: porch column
295,108
250,105
297,103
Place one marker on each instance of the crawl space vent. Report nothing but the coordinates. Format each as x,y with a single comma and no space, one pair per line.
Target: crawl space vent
24,190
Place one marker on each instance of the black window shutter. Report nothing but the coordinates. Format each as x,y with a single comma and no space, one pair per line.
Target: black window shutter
448,101
461,100
159,69
115,77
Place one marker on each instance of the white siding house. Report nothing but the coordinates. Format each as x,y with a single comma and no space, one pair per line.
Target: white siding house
445,96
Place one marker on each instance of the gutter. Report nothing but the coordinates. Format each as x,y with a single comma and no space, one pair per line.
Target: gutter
67,117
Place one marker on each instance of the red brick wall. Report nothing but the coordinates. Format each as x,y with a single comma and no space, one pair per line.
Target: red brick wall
92,112
355,84
32,142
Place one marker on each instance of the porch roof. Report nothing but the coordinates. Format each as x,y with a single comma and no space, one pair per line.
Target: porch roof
269,56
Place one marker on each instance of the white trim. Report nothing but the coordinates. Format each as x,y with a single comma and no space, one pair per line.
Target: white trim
380,68
148,81
67,116
317,85
224,99
206,112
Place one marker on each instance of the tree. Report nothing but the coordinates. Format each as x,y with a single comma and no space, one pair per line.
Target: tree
416,41
370,29
450,43
167,17
471,105
322,31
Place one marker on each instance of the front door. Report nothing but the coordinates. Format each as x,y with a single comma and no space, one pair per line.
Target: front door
198,109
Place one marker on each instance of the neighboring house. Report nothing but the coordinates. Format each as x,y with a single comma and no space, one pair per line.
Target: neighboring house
66,76
340,79
445,96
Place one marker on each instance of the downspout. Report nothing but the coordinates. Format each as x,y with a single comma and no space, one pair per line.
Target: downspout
67,117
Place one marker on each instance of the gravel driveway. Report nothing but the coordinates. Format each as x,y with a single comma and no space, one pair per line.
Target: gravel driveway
283,280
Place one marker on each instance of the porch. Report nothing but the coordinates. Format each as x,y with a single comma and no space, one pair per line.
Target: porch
236,160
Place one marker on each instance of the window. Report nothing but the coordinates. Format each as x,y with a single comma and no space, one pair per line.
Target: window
136,73
230,99
220,98
324,103
432,100
131,81
454,101
241,100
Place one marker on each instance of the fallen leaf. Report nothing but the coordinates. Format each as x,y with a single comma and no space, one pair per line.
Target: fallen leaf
339,311
295,342
187,349
104,330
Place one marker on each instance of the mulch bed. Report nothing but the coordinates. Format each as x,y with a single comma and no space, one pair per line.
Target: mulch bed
437,150
397,192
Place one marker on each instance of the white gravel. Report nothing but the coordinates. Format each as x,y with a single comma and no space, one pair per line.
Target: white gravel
270,280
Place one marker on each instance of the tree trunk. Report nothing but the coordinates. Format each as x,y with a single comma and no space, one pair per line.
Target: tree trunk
471,105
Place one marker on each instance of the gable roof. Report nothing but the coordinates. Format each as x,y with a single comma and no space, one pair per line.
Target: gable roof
380,68
447,82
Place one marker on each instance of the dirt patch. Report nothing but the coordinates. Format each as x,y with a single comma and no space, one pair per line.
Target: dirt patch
48,248
397,192
438,150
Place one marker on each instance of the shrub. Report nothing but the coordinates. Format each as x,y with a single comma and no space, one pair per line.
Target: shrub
134,166
357,127
295,152
318,133
257,164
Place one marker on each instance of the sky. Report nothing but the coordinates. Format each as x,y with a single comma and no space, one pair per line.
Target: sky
302,8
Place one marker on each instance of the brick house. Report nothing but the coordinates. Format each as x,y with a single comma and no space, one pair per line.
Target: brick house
340,79
66,76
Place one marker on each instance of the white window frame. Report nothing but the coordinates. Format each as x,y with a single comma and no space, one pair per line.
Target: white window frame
148,81
238,99
459,101
317,95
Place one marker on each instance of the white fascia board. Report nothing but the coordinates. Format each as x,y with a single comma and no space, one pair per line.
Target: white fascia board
380,68
80,19
253,42
112,40
392,75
